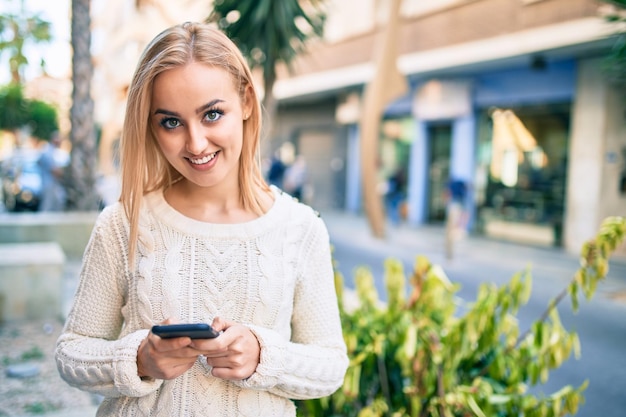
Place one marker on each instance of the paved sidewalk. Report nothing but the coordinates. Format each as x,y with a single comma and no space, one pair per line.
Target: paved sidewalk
405,241
428,240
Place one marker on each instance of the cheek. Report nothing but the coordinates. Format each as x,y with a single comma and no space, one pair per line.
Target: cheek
169,148
163,145
238,144
232,136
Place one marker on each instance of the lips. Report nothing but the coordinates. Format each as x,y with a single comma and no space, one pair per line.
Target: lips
201,161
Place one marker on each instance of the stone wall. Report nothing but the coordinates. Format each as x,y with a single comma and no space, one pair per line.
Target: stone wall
71,230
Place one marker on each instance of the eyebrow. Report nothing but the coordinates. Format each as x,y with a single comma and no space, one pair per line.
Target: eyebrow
208,105
199,110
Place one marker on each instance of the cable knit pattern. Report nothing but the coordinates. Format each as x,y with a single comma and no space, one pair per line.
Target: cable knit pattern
273,274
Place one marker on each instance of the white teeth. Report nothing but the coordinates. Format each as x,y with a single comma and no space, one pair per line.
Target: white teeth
202,160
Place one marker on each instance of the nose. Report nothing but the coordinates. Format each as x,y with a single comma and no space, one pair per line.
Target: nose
196,140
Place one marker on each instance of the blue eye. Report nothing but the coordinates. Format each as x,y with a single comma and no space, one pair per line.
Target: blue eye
170,123
213,115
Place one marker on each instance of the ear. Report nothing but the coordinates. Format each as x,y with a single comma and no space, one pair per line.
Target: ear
247,102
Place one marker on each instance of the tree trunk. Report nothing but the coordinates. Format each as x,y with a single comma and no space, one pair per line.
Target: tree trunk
82,194
270,105
388,84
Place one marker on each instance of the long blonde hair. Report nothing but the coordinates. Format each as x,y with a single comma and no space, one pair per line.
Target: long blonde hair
144,168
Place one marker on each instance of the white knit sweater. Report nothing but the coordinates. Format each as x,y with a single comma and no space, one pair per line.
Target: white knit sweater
273,274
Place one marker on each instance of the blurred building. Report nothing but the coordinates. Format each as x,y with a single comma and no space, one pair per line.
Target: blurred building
121,29
509,96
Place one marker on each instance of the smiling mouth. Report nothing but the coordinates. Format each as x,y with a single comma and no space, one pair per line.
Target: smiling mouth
200,161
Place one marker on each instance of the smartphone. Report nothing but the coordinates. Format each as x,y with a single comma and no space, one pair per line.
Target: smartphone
193,330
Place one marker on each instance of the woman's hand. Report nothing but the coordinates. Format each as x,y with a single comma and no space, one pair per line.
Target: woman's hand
165,358
234,355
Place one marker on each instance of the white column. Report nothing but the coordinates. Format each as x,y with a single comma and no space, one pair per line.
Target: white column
463,148
353,171
462,159
418,176
586,156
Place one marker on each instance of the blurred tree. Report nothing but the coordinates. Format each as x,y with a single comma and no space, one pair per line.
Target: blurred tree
43,119
81,181
269,32
616,61
13,107
17,30
17,112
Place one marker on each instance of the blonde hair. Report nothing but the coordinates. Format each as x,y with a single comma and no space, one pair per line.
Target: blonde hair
144,168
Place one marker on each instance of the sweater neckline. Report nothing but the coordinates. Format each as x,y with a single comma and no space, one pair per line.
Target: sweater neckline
166,214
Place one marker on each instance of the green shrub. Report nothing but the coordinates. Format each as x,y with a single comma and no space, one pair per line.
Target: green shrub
17,112
429,354
34,353
40,407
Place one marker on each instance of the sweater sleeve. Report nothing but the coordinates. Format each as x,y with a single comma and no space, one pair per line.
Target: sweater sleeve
313,363
90,354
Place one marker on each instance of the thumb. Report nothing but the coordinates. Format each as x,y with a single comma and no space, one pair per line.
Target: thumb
221,324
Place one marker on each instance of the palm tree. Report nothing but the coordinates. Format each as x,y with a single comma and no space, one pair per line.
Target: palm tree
82,194
17,31
269,32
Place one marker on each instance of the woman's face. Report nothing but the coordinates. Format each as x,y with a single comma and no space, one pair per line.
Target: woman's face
197,116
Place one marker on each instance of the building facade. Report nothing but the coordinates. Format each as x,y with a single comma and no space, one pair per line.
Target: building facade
509,96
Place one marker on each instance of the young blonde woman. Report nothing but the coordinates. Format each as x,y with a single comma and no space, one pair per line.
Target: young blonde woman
198,237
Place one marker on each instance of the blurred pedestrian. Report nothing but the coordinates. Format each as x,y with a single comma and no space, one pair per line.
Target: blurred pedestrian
52,163
295,177
199,237
456,215
396,195
276,171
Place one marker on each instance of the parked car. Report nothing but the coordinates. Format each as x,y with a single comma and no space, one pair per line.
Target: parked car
21,181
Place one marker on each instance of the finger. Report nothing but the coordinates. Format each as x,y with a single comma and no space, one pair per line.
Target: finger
168,345
231,361
174,370
233,374
243,355
221,324
210,347
177,348
162,365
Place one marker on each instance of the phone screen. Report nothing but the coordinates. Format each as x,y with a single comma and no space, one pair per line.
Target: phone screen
194,331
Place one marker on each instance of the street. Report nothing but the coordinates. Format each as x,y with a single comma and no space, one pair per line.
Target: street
599,322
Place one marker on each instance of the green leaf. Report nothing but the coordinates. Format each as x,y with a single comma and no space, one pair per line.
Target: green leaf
499,399
471,402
